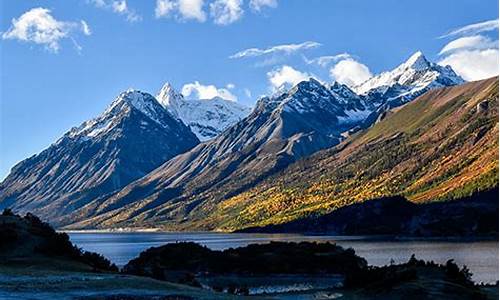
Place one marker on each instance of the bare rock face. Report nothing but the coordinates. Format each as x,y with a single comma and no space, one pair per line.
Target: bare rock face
132,137
482,106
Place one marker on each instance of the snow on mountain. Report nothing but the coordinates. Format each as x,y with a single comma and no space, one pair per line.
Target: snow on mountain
94,168
207,118
403,84
143,102
280,130
308,96
337,105
343,92
410,78
366,102
169,98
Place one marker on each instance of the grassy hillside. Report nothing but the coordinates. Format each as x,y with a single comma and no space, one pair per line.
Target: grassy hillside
442,146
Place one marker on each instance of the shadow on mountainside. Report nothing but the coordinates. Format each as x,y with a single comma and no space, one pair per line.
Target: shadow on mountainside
475,216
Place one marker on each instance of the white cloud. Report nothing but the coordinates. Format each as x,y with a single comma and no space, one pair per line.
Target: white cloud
258,5
192,9
279,49
40,27
473,57
119,7
469,42
164,8
181,9
225,12
350,72
222,12
324,61
85,28
230,86
285,76
201,91
473,64
474,28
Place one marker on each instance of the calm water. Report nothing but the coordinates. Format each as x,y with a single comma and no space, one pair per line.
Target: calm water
481,257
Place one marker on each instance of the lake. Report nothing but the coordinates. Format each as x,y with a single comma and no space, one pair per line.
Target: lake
481,257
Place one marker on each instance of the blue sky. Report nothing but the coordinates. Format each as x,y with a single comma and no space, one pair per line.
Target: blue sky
70,73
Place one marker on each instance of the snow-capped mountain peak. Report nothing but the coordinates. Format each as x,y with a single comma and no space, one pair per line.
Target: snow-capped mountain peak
411,78
144,102
417,62
168,96
133,136
406,82
128,100
336,103
206,117
342,92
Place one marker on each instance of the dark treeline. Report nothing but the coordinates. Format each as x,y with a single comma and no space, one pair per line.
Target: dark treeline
41,239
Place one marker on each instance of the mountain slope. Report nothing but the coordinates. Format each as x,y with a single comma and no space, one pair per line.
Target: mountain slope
279,131
442,146
207,118
471,216
132,137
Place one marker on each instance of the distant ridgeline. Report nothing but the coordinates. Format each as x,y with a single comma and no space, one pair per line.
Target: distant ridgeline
417,131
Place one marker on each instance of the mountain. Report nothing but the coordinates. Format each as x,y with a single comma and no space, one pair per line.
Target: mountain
134,135
406,82
440,147
279,131
411,78
207,118
282,129
356,108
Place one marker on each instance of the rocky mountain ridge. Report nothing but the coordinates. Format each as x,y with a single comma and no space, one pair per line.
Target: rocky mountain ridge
235,156
134,135
207,118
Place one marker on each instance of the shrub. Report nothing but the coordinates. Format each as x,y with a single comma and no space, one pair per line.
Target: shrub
7,213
